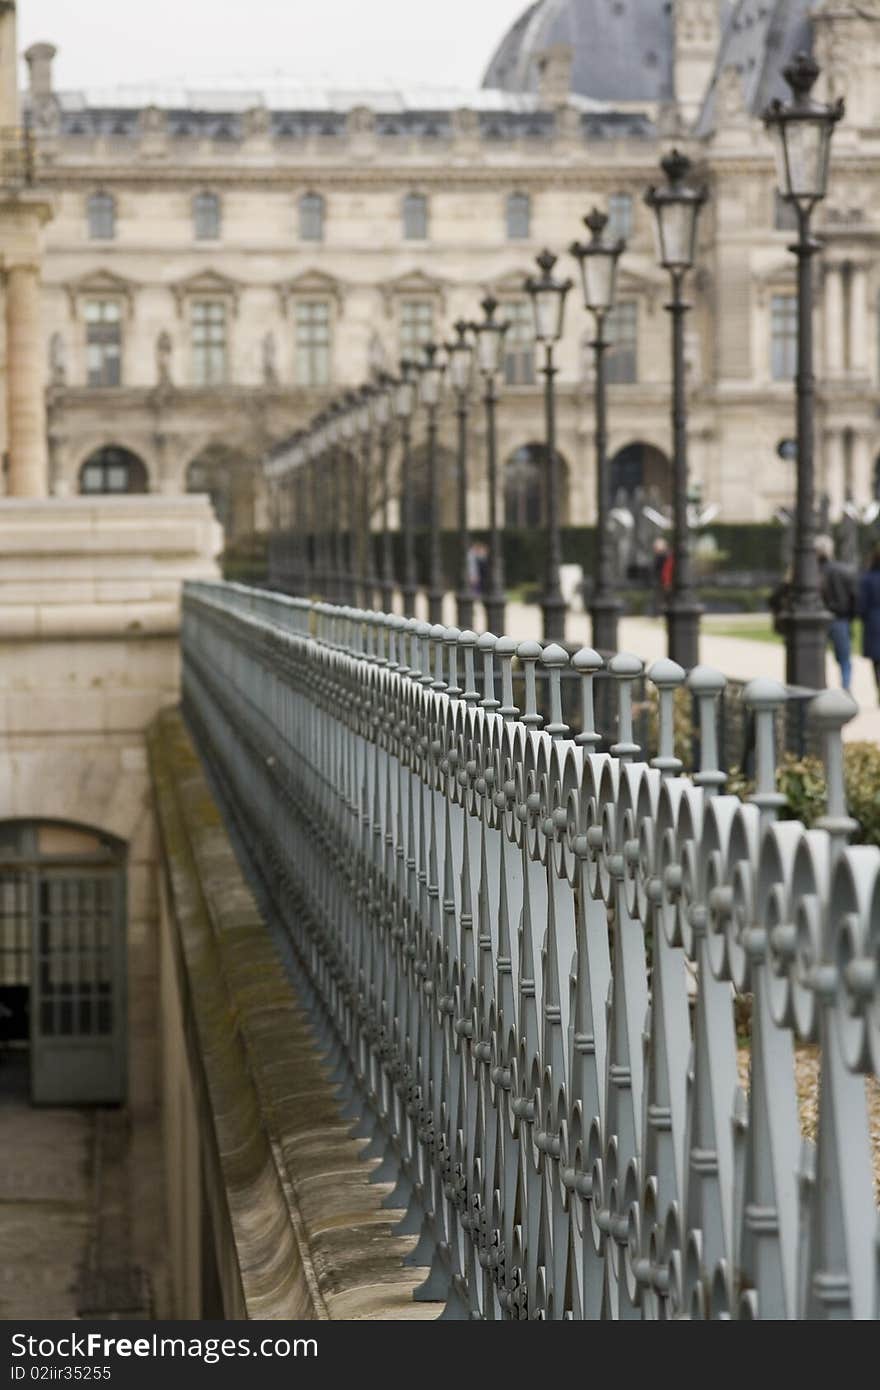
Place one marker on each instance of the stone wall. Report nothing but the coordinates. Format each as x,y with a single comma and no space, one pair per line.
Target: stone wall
89,626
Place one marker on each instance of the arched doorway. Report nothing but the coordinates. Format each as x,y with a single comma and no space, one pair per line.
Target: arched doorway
63,961
113,470
644,467
525,492
228,480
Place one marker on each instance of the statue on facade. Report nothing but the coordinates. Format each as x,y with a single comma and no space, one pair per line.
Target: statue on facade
164,349
270,360
57,361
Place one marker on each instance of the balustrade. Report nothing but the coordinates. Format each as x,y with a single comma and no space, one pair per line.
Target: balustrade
531,954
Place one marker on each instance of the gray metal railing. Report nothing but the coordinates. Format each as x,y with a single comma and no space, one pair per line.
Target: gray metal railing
534,957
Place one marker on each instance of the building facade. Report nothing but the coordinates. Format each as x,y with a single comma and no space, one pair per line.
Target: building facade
220,264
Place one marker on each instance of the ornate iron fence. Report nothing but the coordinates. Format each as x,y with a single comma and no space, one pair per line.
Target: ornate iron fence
535,958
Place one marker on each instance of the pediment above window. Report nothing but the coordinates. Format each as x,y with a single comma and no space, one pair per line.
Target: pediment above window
98,284
206,282
779,277
414,284
311,283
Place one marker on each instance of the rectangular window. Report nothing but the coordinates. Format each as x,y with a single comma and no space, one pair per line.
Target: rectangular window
620,215
621,332
103,342
783,337
519,343
416,327
415,217
519,216
313,343
209,342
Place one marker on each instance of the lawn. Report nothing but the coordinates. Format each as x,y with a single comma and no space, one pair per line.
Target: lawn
759,628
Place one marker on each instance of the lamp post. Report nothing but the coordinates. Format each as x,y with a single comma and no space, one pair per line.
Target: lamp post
321,562
366,567
302,512
333,512
381,410
802,130
548,296
676,207
460,357
430,387
490,334
598,259
404,405
348,426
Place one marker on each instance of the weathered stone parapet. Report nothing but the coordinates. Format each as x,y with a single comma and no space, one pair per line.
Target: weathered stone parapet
296,1227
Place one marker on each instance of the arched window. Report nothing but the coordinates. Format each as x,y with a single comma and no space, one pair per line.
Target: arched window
101,212
525,487
415,217
519,217
206,216
112,470
311,217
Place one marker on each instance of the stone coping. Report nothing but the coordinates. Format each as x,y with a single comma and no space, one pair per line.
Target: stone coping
312,1239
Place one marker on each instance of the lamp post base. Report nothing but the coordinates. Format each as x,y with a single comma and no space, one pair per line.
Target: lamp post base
435,606
806,639
464,609
409,592
387,596
605,614
495,613
683,631
554,609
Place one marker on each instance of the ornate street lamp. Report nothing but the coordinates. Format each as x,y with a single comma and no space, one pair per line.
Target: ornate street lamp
460,361
404,405
490,336
431,371
548,296
676,206
366,566
382,404
598,259
802,129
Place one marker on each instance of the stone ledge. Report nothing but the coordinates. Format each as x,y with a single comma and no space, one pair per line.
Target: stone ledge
311,1236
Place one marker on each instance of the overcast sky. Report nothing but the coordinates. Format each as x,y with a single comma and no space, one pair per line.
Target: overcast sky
110,43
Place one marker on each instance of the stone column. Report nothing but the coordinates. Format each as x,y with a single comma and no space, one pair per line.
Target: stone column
8,65
833,481
833,320
858,321
862,469
26,407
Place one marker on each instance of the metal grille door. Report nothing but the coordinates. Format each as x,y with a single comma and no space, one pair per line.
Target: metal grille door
77,1041
63,959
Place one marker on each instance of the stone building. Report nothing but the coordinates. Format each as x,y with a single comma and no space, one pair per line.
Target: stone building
221,263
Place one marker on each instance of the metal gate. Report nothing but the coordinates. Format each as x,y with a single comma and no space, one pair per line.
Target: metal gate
62,959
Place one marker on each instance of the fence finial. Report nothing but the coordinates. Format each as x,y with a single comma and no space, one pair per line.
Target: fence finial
588,663
830,712
668,677
529,654
708,685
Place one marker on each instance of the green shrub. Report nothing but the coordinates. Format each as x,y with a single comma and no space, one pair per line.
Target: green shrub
802,782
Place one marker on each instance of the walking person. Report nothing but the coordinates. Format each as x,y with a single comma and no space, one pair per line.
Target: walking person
869,612
838,586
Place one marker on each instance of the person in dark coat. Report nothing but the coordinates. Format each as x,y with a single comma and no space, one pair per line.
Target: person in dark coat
869,612
838,587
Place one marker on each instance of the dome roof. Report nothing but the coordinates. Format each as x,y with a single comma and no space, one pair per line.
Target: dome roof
623,49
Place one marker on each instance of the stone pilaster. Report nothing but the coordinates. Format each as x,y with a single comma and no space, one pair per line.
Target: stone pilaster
858,321
26,408
834,320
